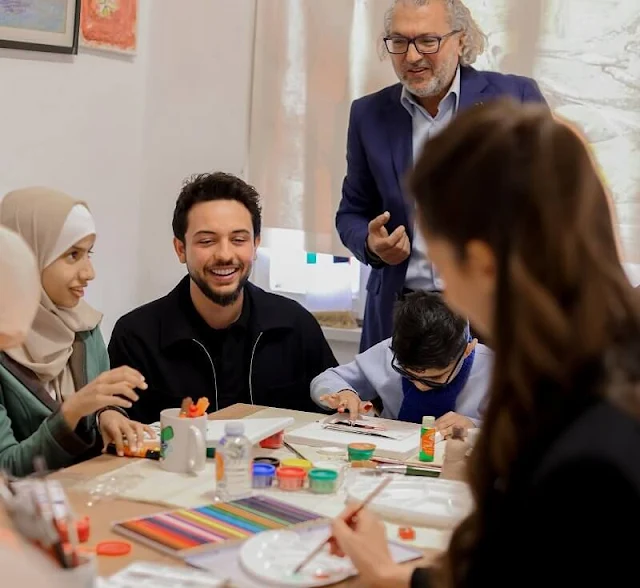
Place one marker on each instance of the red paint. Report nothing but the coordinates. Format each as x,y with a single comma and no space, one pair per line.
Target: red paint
407,533
273,442
83,529
110,23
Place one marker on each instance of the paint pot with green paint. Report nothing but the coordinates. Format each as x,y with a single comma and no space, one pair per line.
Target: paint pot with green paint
360,451
323,481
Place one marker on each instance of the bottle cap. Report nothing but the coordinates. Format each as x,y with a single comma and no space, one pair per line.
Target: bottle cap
234,428
428,421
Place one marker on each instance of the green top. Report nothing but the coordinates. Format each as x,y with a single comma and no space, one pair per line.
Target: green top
31,423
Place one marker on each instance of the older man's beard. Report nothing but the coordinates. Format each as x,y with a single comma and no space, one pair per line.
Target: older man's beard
440,79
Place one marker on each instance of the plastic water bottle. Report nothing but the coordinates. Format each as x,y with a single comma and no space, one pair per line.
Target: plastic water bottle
233,464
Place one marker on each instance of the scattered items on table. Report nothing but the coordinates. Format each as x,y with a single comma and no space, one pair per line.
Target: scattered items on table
275,441
372,467
113,548
191,410
233,560
179,530
152,575
263,475
349,521
145,452
414,500
360,451
407,533
40,511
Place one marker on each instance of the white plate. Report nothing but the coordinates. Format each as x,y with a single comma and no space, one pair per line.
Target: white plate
273,555
424,502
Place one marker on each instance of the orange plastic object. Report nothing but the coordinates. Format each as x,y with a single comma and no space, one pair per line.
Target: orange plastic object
113,548
407,533
274,442
82,527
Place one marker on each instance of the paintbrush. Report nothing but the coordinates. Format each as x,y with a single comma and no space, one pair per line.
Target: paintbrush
296,452
373,468
349,520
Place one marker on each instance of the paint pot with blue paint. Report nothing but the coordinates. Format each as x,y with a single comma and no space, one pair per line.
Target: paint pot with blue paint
263,474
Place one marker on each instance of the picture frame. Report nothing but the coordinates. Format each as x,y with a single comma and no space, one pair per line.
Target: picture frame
109,25
34,25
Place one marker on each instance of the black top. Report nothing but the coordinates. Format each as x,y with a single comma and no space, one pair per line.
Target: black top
229,350
570,516
273,356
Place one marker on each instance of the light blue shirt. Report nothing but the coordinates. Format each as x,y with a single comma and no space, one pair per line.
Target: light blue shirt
421,274
371,376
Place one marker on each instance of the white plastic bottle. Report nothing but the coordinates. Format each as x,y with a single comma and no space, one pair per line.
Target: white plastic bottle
233,463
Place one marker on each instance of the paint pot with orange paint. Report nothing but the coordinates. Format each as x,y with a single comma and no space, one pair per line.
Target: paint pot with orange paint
291,479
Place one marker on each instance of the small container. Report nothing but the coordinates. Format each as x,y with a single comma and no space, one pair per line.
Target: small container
428,439
263,474
274,442
296,462
360,451
323,481
337,466
274,461
290,479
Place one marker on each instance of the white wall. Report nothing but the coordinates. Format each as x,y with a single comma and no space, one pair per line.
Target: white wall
122,133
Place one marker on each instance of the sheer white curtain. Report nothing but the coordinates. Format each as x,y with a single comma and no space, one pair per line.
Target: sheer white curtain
313,57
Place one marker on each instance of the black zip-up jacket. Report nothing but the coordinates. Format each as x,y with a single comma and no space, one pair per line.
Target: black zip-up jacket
287,350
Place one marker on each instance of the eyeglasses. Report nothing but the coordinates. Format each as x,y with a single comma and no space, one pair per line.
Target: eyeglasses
424,44
426,381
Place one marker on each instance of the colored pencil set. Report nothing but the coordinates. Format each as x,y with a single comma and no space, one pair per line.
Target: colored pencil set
183,529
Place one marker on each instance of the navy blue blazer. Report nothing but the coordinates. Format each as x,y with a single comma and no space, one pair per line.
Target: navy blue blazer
379,152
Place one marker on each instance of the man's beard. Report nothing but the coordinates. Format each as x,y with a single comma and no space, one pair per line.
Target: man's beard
215,297
438,83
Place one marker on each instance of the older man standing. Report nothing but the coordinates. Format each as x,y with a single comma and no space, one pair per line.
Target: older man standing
432,44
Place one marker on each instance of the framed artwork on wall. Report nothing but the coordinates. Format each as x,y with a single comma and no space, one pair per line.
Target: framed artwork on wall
36,25
111,25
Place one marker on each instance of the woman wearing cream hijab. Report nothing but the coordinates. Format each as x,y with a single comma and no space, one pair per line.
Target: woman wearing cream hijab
57,384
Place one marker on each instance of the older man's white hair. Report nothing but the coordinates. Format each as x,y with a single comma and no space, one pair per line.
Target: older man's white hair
473,39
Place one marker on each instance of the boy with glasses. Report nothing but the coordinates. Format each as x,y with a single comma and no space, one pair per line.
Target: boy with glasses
431,366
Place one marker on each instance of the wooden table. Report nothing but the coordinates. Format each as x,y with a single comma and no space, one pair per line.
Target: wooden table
103,513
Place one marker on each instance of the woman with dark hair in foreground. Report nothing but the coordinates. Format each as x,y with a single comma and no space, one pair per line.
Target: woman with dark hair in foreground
518,223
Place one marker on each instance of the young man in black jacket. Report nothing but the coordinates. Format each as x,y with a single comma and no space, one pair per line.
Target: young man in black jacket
216,334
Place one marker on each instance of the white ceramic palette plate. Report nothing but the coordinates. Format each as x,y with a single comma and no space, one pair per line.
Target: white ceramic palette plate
272,557
423,502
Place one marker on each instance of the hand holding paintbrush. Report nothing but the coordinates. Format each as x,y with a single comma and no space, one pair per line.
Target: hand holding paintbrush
349,520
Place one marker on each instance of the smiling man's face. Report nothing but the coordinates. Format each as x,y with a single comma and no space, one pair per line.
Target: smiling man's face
425,75
219,249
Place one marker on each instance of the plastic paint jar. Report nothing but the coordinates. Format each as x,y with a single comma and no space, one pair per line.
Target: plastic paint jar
360,451
295,462
323,481
274,461
274,442
263,474
290,478
335,466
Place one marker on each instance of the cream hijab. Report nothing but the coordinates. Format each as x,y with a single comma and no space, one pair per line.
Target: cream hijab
19,288
39,216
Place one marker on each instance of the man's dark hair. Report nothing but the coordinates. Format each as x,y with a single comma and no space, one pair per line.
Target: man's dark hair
215,186
427,334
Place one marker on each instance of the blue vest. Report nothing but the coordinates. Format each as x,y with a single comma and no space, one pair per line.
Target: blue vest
436,402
